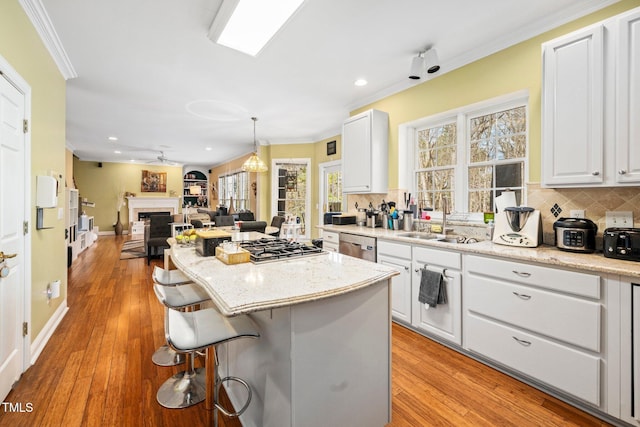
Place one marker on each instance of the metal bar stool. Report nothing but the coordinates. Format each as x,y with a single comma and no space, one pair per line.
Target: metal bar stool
186,388
165,355
206,329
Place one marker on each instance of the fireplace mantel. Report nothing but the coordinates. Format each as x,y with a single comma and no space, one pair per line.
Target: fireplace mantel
152,204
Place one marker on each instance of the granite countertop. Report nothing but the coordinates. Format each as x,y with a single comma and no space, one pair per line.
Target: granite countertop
544,254
247,287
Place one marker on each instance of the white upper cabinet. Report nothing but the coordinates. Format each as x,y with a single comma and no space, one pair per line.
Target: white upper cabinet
365,144
590,97
572,108
628,99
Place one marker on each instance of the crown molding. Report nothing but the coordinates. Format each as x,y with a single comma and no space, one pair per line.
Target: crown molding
40,20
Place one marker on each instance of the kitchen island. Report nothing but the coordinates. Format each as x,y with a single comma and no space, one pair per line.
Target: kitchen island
324,354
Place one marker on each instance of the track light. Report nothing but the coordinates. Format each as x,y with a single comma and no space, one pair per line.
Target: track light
417,67
425,63
433,63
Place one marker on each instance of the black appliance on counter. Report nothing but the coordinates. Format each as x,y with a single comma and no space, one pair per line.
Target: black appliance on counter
264,250
622,243
575,234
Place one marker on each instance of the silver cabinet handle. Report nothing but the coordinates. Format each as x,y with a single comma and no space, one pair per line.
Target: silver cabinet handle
522,296
417,270
595,173
406,268
521,273
522,342
622,171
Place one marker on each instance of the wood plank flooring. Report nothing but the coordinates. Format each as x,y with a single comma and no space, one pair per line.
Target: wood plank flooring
96,370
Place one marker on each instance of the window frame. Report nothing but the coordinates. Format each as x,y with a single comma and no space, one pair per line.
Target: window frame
408,151
222,191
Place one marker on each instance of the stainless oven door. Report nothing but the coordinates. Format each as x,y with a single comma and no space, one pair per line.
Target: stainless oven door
362,247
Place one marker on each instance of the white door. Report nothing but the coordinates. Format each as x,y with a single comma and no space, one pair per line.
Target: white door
12,241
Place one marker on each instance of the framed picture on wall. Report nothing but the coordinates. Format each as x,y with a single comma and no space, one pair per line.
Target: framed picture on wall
331,148
154,182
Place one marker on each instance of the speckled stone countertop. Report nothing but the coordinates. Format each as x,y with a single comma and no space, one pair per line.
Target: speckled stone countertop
544,254
247,287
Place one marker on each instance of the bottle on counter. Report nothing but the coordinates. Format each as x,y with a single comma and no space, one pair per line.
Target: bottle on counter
489,230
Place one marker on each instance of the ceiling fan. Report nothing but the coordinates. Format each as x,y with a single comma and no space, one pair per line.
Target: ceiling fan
164,160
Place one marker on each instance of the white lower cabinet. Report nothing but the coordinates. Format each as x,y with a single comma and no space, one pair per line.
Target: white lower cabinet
398,256
543,322
443,320
330,241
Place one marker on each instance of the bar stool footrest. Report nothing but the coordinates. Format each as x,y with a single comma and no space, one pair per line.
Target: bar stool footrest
246,405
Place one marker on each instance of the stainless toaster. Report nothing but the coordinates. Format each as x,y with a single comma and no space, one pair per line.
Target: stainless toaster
622,243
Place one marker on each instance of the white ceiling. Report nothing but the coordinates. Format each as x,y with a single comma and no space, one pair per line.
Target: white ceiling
141,64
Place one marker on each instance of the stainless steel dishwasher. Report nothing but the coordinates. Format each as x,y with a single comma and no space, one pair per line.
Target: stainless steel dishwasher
362,247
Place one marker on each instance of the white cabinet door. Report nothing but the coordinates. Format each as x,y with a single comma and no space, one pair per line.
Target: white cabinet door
365,153
628,100
400,287
573,108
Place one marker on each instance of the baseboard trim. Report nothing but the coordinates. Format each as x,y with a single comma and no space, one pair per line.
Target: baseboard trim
43,337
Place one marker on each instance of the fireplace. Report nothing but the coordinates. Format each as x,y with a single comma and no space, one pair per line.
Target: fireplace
151,205
143,216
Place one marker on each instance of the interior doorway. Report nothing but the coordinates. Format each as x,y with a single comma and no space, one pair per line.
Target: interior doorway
291,192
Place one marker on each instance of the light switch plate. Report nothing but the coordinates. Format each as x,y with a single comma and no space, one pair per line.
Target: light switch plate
623,219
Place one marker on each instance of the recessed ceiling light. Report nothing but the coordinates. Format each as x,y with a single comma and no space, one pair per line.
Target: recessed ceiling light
208,148
360,82
117,151
248,25
113,138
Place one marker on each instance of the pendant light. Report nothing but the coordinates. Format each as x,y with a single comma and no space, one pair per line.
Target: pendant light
253,163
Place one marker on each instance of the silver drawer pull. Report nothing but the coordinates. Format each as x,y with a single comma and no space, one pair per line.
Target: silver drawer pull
522,342
522,296
595,173
521,273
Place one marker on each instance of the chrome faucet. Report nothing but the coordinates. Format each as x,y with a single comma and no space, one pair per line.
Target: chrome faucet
445,208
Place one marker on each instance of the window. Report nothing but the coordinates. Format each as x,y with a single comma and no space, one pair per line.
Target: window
471,155
497,152
234,185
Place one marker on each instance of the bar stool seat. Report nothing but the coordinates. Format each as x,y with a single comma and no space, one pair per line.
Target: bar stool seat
165,355
206,329
169,277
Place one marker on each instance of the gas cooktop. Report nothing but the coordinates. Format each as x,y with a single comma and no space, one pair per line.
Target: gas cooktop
264,250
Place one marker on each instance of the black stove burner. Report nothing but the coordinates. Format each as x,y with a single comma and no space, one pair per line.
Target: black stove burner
263,250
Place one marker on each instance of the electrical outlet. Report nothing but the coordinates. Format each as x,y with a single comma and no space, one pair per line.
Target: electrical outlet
623,219
577,213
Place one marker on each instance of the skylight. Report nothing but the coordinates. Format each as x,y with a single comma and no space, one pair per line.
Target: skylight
248,25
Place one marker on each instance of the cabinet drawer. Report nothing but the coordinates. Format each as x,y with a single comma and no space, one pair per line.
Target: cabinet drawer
438,257
329,236
562,367
587,285
393,249
558,316
331,247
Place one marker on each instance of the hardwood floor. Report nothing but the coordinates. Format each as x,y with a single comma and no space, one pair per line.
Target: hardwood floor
96,370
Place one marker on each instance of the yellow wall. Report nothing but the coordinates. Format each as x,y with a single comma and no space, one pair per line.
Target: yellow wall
22,48
102,184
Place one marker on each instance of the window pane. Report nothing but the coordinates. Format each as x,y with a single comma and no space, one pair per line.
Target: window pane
482,151
509,176
480,177
481,127
437,146
480,201
425,159
446,156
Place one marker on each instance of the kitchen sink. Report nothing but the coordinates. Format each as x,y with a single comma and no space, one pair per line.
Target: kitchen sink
438,237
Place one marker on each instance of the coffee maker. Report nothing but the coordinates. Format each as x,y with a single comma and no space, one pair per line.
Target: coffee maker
518,226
